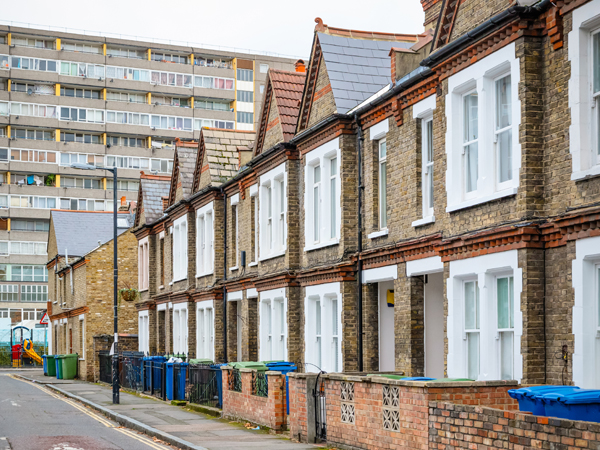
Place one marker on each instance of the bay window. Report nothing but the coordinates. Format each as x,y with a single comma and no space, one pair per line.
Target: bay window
482,140
204,240
323,328
273,325
180,243
272,212
322,196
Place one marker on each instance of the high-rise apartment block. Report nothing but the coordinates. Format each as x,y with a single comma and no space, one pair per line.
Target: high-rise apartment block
67,98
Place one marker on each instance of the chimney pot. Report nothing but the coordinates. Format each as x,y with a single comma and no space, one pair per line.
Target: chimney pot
300,66
123,201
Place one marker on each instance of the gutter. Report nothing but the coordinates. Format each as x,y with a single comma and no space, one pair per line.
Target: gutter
359,286
224,274
484,29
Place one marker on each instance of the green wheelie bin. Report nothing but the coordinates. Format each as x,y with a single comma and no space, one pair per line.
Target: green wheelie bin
69,366
258,366
50,366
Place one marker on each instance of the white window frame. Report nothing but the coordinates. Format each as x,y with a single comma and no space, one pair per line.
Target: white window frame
143,264
322,351
424,111
205,238
235,206
480,77
273,334
144,332
321,156
583,130
586,313
383,204
255,196
180,329
272,220
205,329
485,270
180,260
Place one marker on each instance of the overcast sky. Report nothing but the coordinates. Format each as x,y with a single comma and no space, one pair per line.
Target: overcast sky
282,27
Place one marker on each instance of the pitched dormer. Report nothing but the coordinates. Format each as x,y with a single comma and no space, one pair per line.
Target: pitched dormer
149,201
183,171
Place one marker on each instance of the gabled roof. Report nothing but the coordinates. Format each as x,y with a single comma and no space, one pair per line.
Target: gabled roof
286,88
151,191
357,62
222,150
79,232
183,168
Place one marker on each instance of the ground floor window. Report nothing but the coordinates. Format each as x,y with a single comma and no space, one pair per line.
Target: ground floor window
180,329
323,327
484,318
144,332
205,336
273,325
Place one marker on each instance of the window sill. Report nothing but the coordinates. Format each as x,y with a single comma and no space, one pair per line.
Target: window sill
233,269
271,256
321,245
585,174
253,264
483,199
377,234
161,287
424,221
204,274
143,290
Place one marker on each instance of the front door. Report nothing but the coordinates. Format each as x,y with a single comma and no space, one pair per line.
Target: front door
434,325
387,336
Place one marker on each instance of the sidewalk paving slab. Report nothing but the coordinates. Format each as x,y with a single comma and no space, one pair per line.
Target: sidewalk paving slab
178,427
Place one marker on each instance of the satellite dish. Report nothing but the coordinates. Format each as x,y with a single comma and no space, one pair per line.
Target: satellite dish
29,91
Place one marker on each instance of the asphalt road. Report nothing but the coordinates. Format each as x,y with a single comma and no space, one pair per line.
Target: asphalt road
34,418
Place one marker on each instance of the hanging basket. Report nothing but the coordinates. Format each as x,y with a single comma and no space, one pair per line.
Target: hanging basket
129,295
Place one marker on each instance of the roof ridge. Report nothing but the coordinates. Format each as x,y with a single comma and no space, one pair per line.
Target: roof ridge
365,35
149,176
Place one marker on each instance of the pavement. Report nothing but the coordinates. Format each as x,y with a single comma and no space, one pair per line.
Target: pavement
170,424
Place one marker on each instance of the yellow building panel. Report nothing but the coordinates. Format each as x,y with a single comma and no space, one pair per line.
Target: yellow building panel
8,131
57,89
104,94
57,180
104,138
9,38
8,87
57,135
104,49
104,183
58,44
7,177
149,97
192,103
192,59
149,54
8,224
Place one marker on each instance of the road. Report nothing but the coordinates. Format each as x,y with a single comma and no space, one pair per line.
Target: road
34,418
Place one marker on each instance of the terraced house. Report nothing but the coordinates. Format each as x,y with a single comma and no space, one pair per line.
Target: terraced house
421,203
69,98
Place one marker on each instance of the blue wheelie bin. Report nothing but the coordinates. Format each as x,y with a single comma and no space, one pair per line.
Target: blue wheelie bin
528,397
45,364
179,382
418,379
219,382
583,404
284,368
147,370
58,367
157,372
169,383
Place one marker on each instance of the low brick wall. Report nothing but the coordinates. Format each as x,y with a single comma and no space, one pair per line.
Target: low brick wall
267,411
461,426
376,412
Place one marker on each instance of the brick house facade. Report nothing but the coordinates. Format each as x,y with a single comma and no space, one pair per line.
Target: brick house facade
81,292
443,224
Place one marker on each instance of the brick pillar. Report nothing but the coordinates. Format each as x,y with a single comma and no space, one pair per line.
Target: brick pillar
277,402
191,314
249,329
409,323
295,320
162,332
232,312
349,327
169,330
371,327
152,327
219,332
533,348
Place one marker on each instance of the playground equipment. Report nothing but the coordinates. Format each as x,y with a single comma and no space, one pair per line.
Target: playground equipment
30,352
22,349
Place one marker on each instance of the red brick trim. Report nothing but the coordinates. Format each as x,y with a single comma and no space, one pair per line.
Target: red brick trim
321,275
428,4
446,23
215,293
405,251
273,123
321,93
570,5
71,313
330,132
282,280
146,306
205,199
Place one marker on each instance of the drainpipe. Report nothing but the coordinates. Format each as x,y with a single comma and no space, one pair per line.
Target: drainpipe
224,274
359,263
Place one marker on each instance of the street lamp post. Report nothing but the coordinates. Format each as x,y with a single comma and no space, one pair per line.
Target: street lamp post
115,356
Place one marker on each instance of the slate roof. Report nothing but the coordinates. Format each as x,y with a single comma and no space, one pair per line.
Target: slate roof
222,149
154,188
287,88
79,232
186,156
357,68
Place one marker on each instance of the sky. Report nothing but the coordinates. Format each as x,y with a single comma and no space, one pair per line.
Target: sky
278,27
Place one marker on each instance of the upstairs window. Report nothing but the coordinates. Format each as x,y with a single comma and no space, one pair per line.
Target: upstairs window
273,212
383,216
204,240
427,167
143,264
322,196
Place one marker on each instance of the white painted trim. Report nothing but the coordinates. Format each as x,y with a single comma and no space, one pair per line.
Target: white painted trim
271,297
234,296
585,314
161,235
483,199
377,234
251,293
207,305
271,256
233,269
585,19
423,221
234,199
161,307
379,130
82,316
209,238
379,274
254,190
484,269
253,264
425,107
424,266
321,245
272,181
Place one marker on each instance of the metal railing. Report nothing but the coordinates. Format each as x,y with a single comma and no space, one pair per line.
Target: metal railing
155,378
203,385
260,385
105,363
131,370
235,380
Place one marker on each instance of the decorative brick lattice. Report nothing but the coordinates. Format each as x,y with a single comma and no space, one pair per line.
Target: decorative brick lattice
391,405
347,405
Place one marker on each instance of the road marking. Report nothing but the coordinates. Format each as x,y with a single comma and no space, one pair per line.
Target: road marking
98,418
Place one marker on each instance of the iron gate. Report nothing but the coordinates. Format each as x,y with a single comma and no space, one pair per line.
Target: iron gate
203,385
320,409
